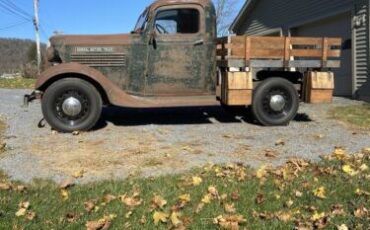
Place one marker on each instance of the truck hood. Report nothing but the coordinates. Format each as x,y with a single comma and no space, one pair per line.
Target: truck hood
63,47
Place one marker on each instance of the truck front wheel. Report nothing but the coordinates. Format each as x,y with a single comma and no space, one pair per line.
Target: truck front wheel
71,104
275,102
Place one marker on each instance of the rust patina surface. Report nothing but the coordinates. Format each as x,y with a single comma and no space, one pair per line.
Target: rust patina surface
144,68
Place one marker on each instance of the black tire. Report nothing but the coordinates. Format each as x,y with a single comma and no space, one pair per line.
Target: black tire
90,106
276,112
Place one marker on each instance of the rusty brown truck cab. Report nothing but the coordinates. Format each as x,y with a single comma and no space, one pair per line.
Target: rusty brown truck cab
171,58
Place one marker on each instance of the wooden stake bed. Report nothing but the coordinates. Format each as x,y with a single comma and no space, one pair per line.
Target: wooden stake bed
278,52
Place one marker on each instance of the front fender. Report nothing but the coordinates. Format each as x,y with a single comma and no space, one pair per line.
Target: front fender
115,95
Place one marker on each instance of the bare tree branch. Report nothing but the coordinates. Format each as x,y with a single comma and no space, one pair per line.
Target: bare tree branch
225,12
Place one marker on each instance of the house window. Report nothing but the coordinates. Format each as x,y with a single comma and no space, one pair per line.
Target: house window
177,21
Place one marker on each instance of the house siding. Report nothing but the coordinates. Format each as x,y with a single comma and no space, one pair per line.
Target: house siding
361,35
271,15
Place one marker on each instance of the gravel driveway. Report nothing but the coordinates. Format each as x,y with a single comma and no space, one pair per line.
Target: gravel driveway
161,141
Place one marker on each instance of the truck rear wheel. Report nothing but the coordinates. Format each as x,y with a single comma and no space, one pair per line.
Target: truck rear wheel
275,102
71,104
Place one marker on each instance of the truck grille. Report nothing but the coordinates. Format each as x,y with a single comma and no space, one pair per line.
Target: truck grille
100,59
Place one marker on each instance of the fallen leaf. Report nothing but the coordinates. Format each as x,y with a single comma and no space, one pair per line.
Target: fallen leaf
199,208
261,172
317,216
321,223
260,198
337,210
128,214
185,198
142,220
21,212
223,197
289,203
109,198
303,226
25,205
158,202
160,217
2,146
360,192
20,188
207,199
361,212
175,219
213,191
30,215
280,142
320,192
364,167
366,151
235,196
76,133
89,206
298,194
132,201
228,136
5,186
319,136
64,194
339,153
127,225
101,224
229,222
271,154
79,174
283,216
342,227
71,217
196,180
187,148
349,170
229,208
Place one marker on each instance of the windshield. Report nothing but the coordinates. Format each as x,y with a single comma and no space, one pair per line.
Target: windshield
141,22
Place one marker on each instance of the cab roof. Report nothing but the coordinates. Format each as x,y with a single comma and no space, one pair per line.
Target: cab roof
159,3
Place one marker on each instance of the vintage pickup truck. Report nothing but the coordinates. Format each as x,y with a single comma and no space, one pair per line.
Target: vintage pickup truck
173,58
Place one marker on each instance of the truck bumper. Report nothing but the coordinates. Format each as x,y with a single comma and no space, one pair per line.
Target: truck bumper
31,97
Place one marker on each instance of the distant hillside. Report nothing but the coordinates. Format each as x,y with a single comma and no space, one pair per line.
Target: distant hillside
14,54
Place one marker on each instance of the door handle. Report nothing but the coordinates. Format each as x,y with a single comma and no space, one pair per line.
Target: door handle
199,42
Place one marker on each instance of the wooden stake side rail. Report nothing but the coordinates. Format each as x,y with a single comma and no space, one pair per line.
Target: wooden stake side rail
278,52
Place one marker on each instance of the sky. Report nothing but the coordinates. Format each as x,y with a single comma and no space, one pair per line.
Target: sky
72,17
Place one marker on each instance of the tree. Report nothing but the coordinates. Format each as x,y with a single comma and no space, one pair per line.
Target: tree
32,54
225,11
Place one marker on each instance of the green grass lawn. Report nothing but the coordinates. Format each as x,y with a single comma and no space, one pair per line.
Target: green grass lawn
327,194
357,115
18,83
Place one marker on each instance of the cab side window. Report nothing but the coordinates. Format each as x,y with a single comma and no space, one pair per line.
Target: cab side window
177,21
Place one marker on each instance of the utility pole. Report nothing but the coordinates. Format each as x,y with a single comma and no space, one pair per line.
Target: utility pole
37,30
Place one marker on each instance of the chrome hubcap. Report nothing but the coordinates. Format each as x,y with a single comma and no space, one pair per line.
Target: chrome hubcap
72,106
277,103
